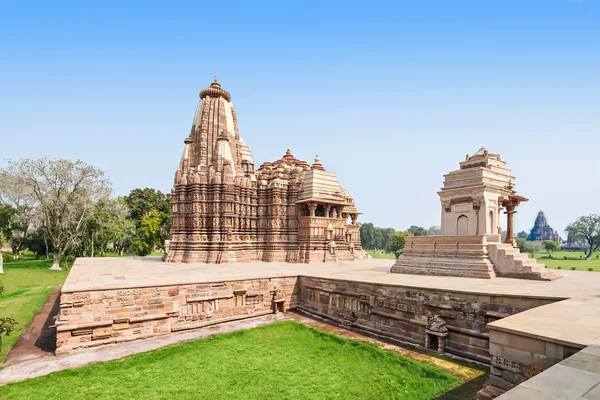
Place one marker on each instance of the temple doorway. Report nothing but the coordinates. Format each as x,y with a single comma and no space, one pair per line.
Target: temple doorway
462,226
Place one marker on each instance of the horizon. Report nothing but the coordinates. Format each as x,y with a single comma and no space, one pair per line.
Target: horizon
391,98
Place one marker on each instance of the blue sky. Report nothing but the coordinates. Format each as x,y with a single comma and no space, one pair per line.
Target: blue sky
390,95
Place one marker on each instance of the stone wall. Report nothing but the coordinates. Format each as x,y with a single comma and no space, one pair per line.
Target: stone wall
406,314
518,357
100,317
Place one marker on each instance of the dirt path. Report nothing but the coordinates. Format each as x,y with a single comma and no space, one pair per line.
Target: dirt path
38,339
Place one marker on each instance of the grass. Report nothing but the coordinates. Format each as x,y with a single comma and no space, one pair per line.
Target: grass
572,261
27,285
286,360
381,254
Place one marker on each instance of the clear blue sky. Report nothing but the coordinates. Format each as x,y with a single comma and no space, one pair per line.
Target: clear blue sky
390,95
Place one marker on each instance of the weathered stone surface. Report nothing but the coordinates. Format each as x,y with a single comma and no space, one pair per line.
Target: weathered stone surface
472,199
225,211
162,310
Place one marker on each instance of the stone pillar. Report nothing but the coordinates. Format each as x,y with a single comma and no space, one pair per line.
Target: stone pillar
510,233
354,218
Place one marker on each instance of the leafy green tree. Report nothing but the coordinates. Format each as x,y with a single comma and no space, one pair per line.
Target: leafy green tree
550,246
522,234
521,244
378,239
586,228
367,236
110,226
417,230
396,243
148,233
7,324
142,201
532,248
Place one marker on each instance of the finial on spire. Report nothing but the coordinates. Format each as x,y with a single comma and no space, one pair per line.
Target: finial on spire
216,81
317,159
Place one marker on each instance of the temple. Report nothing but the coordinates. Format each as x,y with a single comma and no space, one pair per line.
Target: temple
225,211
473,199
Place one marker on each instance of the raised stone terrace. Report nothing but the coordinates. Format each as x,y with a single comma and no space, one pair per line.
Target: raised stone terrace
520,327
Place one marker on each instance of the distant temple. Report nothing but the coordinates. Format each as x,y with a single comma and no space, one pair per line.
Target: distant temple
542,231
225,211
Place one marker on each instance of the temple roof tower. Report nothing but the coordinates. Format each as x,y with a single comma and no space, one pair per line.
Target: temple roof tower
214,142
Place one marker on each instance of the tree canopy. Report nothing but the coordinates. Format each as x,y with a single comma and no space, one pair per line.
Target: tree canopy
550,246
396,243
62,195
586,228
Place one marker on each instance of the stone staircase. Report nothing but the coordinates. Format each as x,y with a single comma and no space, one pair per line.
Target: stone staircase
509,262
489,393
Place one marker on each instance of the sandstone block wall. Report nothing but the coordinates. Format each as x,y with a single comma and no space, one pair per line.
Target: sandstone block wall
404,313
516,357
95,318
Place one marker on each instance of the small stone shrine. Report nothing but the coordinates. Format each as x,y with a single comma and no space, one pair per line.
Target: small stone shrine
473,197
225,211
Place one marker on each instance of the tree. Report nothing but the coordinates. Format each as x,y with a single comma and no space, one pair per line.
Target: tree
367,236
148,233
7,324
434,231
550,246
142,201
395,243
62,194
586,228
522,234
521,244
417,230
110,226
385,234
15,213
532,248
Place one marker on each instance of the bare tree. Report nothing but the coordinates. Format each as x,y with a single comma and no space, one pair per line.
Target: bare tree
62,194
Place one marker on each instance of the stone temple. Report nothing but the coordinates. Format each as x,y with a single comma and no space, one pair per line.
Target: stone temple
226,211
542,230
473,198
537,333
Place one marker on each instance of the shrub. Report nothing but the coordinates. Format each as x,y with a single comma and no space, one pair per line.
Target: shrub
597,256
590,269
8,257
559,267
565,257
573,268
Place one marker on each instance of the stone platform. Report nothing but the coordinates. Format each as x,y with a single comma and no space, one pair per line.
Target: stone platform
520,327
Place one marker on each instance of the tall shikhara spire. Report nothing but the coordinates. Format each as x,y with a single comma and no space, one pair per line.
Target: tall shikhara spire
225,211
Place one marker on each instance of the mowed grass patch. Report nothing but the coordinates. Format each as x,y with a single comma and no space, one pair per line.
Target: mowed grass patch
286,360
579,265
381,254
27,285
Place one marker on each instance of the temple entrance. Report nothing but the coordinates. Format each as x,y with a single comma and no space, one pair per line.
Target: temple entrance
433,342
462,226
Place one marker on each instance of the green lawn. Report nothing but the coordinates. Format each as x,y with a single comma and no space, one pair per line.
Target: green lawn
381,254
27,285
286,360
573,260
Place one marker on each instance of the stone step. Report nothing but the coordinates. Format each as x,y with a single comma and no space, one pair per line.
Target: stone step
489,392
